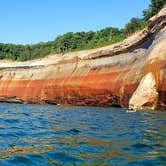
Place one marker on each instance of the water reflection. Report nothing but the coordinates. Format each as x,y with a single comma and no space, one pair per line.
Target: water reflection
50,135
22,150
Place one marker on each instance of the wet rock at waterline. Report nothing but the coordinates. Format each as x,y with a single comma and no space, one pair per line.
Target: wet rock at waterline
107,76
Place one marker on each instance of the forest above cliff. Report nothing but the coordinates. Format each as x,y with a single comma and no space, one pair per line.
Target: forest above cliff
79,40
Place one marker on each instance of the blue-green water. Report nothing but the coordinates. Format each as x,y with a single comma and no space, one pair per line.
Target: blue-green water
46,135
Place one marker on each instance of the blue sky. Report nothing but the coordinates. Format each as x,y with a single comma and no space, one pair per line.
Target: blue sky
32,21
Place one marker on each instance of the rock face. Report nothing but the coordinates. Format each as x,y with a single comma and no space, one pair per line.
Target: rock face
107,76
145,96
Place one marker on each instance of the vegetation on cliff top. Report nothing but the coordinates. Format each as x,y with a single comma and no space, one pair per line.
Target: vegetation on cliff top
79,40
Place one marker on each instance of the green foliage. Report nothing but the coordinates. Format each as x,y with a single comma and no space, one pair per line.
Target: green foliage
67,42
79,40
154,8
134,25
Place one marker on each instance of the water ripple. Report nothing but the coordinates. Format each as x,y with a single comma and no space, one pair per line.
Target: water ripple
47,135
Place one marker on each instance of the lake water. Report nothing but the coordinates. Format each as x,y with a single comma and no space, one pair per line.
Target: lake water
47,135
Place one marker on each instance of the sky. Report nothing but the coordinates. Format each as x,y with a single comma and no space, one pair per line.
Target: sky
33,21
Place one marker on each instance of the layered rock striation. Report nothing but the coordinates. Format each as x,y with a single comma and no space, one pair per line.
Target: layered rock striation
131,73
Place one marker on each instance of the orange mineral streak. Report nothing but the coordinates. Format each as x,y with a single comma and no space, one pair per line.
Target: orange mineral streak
93,89
155,67
106,76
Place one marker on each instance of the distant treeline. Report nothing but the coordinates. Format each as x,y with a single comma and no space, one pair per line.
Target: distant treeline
79,40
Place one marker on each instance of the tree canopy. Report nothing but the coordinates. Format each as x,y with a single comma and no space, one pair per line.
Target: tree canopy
79,40
134,25
67,42
154,8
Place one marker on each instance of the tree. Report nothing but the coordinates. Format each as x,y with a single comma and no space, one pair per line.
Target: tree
154,8
134,25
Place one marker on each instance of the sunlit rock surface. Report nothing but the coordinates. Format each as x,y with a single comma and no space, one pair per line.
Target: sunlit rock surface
106,76
146,96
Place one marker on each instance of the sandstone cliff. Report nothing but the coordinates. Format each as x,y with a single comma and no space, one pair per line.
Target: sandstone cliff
131,73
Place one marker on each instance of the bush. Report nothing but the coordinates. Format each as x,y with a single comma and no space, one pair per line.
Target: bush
79,40
154,8
134,25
